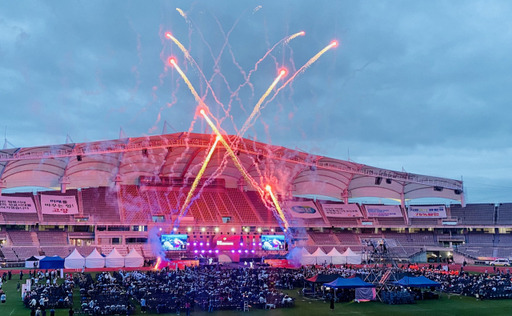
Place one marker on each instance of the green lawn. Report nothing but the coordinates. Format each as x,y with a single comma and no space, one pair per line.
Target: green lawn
445,306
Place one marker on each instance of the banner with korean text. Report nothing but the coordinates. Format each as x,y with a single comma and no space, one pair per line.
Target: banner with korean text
17,204
430,211
58,204
342,210
303,209
383,210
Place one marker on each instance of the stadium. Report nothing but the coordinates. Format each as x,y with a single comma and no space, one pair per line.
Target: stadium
215,218
122,204
127,193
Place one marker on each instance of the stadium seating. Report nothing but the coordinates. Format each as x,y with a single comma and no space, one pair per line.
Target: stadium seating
22,238
134,206
100,204
9,254
52,238
265,213
244,209
474,214
504,216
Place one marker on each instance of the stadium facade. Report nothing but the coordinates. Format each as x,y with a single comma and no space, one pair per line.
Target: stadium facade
126,193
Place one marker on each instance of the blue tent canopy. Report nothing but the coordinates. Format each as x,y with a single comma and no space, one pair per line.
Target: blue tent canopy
350,283
420,281
54,262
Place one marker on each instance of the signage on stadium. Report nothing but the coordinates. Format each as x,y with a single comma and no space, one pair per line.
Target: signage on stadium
342,210
432,211
383,210
303,209
17,204
58,204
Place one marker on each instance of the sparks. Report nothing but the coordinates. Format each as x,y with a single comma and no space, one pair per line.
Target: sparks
256,109
199,174
231,153
288,39
173,62
178,43
277,206
158,261
304,67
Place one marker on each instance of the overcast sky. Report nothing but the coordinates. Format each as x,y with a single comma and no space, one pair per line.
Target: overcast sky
420,86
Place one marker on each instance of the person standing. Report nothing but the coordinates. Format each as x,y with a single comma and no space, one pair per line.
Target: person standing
143,305
332,303
187,307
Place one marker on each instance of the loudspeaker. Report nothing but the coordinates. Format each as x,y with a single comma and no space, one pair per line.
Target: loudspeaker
378,180
388,181
79,157
457,191
437,188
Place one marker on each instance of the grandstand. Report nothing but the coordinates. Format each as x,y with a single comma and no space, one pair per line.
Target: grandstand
120,193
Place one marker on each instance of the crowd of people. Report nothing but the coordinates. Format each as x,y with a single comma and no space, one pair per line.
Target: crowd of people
209,288
46,293
216,287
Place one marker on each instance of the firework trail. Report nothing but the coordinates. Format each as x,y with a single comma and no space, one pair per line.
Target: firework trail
172,61
277,206
303,68
284,41
256,109
193,62
198,177
183,15
231,153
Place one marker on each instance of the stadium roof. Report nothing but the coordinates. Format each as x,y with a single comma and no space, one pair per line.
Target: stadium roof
180,155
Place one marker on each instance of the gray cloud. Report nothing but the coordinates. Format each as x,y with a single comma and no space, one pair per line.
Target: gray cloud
420,85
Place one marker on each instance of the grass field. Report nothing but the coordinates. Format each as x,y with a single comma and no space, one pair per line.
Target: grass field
453,305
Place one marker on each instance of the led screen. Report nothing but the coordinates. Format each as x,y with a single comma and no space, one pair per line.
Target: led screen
272,242
174,242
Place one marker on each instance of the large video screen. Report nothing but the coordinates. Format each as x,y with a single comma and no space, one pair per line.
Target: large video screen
174,242
272,242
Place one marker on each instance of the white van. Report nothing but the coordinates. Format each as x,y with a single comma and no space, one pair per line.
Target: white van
500,262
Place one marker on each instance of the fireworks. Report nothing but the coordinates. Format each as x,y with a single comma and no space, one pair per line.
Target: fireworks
198,177
204,111
277,206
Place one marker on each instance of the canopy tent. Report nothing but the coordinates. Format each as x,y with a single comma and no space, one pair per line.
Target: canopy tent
54,262
351,257
321,257
114,259
74,261
336,256
133,259
420,281
306,258
350,283
323,278
95,260
32,262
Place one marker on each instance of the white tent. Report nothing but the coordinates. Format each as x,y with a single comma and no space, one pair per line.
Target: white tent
94,260
306,258
114,259
33,262
133,259
351,257
321,256
74,260
336,256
